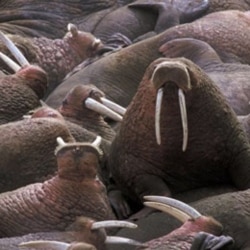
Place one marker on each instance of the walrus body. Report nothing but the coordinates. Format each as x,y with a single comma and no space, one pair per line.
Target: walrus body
119,74
55,204
231,78
27,151
217,150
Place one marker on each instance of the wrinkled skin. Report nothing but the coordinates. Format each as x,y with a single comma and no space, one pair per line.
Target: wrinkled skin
219,5
119,74
183,237
57,57
21,92
231,78
48,18
27,148
80,134
73,108
141,167
78,231
148,16
55,204
230,209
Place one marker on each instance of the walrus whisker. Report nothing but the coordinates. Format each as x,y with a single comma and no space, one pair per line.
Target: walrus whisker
159,99
102,109
114,106
14,50
182,103
185,208
13,65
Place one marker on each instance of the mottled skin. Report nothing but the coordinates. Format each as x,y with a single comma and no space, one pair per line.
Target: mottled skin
27,151
21,92
119,74
79,231
140,166
183,237
59,56
81,135
220,5
55,204
148,16
49,18
73,108
231,78
231,209
245,121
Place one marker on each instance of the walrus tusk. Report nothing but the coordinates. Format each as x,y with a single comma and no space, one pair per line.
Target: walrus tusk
112,223
114,106
60,142
14,50
53,245
95,144
13,65
102,109
97,141
122,240
184,121
158,115
176,208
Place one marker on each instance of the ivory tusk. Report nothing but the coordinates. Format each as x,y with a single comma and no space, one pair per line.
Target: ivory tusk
185,208
101,109
114,106
13,65
158,114
14,50
97,141
184,121
122,240
113,223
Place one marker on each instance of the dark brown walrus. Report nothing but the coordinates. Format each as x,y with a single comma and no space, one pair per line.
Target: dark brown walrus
214,150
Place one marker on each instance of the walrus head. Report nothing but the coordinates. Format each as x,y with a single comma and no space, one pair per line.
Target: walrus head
78,159
175,74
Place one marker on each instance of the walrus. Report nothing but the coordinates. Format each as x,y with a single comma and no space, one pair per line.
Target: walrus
82,230
56,56
119,74
27,151
170,155
22,90
54,204
231,78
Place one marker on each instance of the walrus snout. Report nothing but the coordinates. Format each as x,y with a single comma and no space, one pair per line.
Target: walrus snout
171,71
